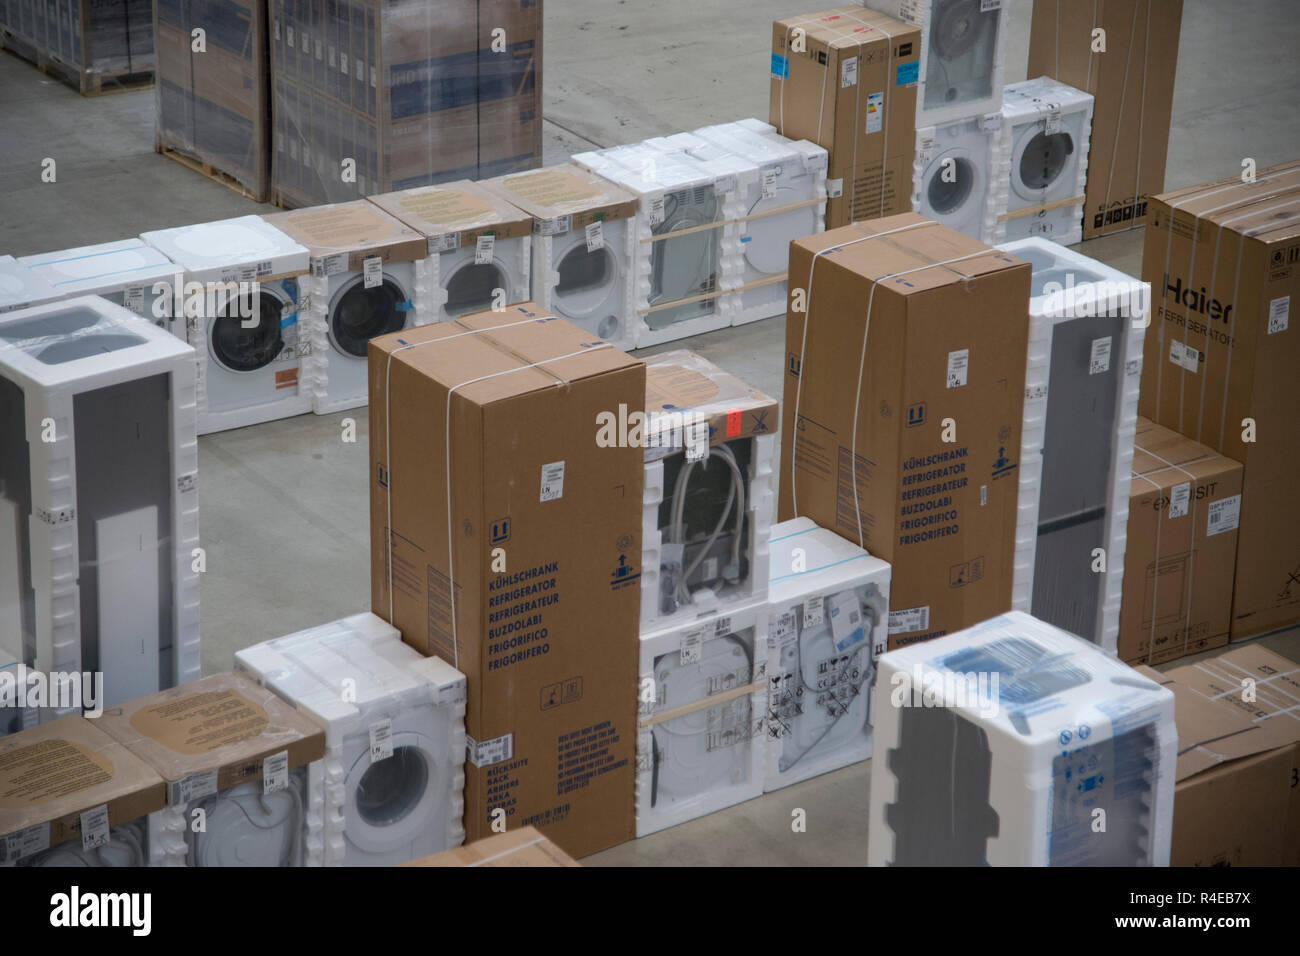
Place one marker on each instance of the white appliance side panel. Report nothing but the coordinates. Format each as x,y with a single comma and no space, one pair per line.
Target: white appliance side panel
11,609
127,576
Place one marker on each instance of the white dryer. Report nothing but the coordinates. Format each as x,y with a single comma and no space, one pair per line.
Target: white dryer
127,272
241,308
953,174
20,287
394,765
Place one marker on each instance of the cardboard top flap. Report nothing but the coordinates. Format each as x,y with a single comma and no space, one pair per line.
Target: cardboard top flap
60,769
555,192
1158,449
911,253
355,231
1273,198
226,725
245,248
522,847
842,27
462,209
684,388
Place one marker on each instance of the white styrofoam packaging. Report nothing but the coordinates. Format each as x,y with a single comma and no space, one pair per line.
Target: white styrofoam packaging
1013,743
707,501
127,272
786,200
99,510
393,773
956,177
1046,127
243,286
828,619
701,702
1086,327
20,287
963,48
680,281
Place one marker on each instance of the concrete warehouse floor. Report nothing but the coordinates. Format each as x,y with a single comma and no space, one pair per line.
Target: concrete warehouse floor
284,505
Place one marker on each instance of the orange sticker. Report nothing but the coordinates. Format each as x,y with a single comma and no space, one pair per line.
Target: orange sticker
733,423
287,378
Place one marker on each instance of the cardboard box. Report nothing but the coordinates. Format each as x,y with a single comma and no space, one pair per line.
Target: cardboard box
1236,803
1132,83
1220,364
564,197
846,80
1184,505
56,772
456,214
341,237
944,322
522,847
505,540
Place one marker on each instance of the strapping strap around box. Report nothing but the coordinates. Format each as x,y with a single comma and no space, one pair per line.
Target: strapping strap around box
510,852
686,300
1035,210
744,690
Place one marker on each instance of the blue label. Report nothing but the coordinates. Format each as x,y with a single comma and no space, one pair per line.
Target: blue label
907,74
780,66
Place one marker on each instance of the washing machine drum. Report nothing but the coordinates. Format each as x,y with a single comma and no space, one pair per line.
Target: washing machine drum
358,314
1045,158
957,25
393,803
947,195
243,349
246,827
470,288
768,248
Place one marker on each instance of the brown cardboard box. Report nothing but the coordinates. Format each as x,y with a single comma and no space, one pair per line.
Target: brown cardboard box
846,79
516,557
946,338
53,773
1223,261
522,847
509,87
457,213
551,194
1133,86
1236,803
354,232
1180,554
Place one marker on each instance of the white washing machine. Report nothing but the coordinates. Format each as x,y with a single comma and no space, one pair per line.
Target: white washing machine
479,246
128,273
1045,132
394,764
953,174
249,344
20,287
128,845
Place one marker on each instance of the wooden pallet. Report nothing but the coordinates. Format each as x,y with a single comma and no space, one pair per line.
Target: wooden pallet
87,84
210,171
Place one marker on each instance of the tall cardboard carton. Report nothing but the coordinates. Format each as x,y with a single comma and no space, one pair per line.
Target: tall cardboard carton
1220,364
846,80
904,398
1132,82
506,541
1184,505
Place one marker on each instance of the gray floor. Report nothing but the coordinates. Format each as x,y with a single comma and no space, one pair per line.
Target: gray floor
285,520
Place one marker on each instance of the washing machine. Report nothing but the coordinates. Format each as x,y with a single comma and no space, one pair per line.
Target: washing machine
583,247
128,273
479,246
20,287
128,845
962,54
394,765
953,174
366,272
1045,131
240,303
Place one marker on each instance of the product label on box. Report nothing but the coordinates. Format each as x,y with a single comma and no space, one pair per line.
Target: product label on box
595,236
444,243
381,740
725,184
1099,360
924,146
909,11
306,43
656,210
485,753
23,843
483,250
814,610
1279,315
958,367
275,772
909,620
1224,515
1133,366
343,63
689,647
1034,393
1179,498
1052,122
552,481
834,188
372,270
987,5
991,122
696,437
1184,356
780,66
769,183
193,787
329,265
782,628
849,71
333,57
288,35
133,299
846,620
875,112
906,74
722,627
94,828
555,226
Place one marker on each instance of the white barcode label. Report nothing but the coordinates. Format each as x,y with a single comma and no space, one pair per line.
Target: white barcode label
133,299
847,626
1034,393
555,226
193,787
909,11
552,481
725,184
958,367
1225,514
1052,122
373,271
722,627
814,610
924,146
783,628
991,122
1099,361
306,43
690,645
875,117
1179,497
381,740
984,495
1279,315
656,210
849,72
288,35
769,183
275,772
910,619
483,250
987,5
444,243
1133,366
595,236
94,828
834,188
1184,356
343,63
325,266
485,753
23,843
333,57
696,436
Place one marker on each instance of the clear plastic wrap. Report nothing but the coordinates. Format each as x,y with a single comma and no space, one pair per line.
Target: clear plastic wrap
93,45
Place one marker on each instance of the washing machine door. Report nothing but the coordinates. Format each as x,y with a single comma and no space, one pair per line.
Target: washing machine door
952,185
1039,161
392,803
246,827
358,314
248,349
768,248
470,286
